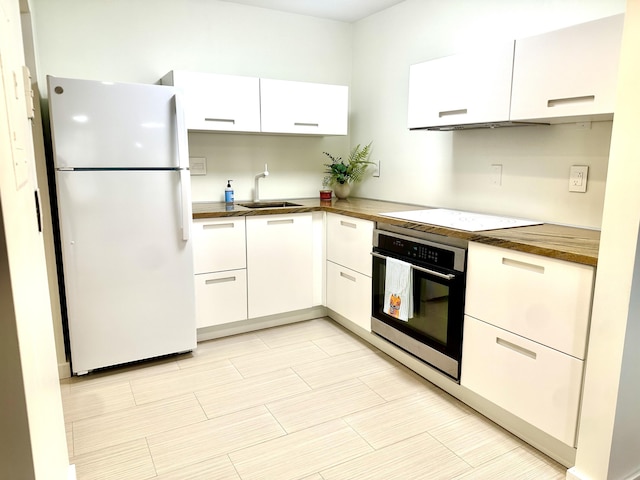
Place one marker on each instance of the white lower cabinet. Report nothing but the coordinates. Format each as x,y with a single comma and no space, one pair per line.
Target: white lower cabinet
536,383
525,335
540,298
221,297
280,263
349,294
349,242
220,262
218,244
348,290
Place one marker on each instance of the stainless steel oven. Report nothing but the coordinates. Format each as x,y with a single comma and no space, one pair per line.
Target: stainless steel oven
433,331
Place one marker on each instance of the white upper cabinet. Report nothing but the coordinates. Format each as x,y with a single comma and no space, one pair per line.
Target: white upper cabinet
224,103
471,87
230,103
569,73
303,108
566,75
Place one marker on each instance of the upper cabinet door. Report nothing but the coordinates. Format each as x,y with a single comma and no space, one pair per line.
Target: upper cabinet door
569,73
471,87
213,102
303,108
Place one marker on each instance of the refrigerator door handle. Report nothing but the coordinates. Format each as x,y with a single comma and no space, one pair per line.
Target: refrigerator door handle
183,165
181,131
185,201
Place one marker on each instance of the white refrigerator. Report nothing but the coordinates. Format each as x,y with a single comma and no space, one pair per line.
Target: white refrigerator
123,191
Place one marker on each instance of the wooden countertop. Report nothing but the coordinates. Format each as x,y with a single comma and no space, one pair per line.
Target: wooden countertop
579,245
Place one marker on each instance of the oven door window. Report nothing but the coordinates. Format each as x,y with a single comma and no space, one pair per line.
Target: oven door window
431,310
436,316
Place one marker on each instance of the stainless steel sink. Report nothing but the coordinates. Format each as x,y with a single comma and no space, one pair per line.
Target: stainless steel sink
268,204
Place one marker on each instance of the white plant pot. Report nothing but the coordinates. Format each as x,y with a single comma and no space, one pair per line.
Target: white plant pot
342,190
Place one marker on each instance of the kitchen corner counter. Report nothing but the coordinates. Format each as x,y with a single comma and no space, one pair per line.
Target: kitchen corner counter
578,245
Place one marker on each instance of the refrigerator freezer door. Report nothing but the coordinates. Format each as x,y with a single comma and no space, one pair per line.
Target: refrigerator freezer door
128,271
113,125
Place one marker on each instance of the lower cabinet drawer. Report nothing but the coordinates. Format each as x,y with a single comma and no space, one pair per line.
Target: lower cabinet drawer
536,383
349,294
221,297
544,299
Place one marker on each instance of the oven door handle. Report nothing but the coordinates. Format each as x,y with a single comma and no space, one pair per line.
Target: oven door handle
446,276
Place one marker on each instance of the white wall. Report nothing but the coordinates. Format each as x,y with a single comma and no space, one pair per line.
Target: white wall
452,169
141,41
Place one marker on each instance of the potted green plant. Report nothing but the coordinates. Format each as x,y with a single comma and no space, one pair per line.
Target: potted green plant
340,174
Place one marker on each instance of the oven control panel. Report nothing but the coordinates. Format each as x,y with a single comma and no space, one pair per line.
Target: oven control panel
417,251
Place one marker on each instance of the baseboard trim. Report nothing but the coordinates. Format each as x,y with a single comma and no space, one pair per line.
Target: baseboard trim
71,475
64,370
244,326
574,474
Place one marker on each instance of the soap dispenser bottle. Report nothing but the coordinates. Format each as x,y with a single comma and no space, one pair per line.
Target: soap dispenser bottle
228,192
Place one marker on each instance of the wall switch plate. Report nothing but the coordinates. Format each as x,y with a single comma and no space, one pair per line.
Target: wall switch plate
578,178
198,165
496,174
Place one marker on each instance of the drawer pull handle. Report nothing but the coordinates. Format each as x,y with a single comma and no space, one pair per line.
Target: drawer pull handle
221,120
218,225
280,222
303,124
516,348
219,280
348,224
524,265
348,277
555,102
448,113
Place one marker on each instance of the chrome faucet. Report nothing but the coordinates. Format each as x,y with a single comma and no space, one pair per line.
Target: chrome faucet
256,190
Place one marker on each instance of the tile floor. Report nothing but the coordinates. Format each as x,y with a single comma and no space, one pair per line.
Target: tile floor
305,401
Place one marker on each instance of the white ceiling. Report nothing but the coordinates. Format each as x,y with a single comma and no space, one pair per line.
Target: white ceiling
342,10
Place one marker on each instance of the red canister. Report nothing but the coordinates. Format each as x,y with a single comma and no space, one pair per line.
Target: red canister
325,194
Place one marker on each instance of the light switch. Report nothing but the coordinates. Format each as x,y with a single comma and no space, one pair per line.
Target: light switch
578,178
198,165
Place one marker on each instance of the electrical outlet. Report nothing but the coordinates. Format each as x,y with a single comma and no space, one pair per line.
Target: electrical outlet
496,174
578,178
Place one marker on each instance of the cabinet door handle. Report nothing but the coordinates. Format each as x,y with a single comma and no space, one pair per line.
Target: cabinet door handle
448,113
218,225
220,120
304,124
219,280
523,265
516,348
348,277
279,222
556,102
348,224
